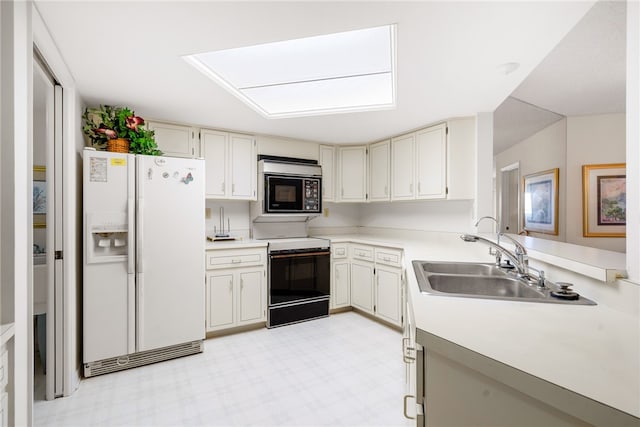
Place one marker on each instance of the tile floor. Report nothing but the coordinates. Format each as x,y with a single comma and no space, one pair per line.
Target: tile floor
344,370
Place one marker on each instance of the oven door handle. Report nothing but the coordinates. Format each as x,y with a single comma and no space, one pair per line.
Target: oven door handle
293,255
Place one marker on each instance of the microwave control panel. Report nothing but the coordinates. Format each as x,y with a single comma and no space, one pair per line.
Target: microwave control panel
311,195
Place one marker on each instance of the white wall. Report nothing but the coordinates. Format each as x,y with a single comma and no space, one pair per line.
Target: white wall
633,136
591,140
339,215
541,152
485,185
432,215
236,215
16,127
568,145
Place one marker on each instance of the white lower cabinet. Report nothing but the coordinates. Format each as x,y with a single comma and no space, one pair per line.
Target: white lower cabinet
236,288
340,276
362,285
388,294
341,292
376,282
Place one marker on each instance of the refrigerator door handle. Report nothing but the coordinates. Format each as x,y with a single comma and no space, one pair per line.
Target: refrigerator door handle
139,234
131,250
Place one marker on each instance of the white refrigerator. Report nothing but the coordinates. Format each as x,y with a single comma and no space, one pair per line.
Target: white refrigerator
143,278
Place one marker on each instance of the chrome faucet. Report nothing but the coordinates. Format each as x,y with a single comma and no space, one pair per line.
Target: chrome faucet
493,251
520,251
520,263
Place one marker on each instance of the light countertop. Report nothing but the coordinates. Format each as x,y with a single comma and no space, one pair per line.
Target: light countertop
591,350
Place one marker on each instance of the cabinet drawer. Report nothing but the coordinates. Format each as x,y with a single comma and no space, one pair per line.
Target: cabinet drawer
235,258
389,256
364,253
339,251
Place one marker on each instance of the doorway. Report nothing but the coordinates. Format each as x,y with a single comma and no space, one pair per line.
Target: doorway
510,199
47,233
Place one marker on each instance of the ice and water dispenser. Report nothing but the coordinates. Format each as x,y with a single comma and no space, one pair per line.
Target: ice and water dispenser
108,237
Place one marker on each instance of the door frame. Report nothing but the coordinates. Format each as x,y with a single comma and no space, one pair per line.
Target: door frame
69,175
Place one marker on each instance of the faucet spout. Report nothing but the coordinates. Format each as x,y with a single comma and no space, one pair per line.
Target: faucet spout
518,261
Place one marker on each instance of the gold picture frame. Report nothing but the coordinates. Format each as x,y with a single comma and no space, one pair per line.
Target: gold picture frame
39,196
604,212
540,202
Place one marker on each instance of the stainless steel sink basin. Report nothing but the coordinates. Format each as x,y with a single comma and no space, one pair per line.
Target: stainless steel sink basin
487,286
477,269
480,280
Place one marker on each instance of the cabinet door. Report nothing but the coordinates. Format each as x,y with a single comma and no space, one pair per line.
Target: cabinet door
251,302
220,312
340,291
461,142
388,294
353,173
362,286
379,171
327,160
431,156
402,167
175,140
244,165
214,146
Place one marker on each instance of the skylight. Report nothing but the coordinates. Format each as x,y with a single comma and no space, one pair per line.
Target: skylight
333,73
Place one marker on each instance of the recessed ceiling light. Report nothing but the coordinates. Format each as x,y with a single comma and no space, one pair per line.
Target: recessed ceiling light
508,67
333,73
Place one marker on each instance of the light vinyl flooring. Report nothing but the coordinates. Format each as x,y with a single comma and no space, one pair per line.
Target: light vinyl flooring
344,370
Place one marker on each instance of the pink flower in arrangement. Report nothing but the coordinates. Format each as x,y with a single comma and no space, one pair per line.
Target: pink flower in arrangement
134,121
109,133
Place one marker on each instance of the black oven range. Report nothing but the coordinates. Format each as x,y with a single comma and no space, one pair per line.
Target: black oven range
299,280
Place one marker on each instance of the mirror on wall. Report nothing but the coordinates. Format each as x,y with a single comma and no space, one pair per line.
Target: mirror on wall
568,113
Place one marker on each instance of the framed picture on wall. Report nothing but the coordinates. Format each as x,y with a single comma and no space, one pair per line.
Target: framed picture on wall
540,202
39,197
604,200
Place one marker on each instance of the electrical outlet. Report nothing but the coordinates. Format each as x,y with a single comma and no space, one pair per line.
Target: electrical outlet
207,213
325,212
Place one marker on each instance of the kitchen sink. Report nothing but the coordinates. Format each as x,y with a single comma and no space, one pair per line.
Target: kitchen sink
481,280
465,268
487,286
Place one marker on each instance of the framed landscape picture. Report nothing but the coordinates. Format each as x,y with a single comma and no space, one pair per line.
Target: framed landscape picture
39,197
540,200
604,198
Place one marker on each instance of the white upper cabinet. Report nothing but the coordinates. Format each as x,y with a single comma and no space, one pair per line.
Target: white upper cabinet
231,165
327,161
214,146
243,167
402,167
431,162
461,170
379,171
352,173
175,140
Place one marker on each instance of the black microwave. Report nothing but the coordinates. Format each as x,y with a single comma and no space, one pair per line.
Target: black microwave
289,188
292,194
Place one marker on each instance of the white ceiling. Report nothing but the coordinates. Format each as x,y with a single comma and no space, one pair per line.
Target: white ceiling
448,59
584,74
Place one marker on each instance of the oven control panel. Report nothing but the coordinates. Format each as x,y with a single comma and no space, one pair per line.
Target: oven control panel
311,199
